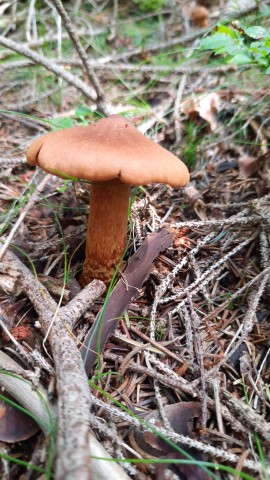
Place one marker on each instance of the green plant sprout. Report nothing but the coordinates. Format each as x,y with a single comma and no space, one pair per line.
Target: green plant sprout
261,456
240,45
257,440
22,463
193,140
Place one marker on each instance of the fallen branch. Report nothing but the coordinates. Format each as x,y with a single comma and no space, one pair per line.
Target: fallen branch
217,452
127,67
73,460
101,100
245,414
36,402
76,82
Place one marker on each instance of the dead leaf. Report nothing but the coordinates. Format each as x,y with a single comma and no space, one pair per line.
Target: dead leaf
204,106
191,194
148,444
180,240
248,166
15,425
126,290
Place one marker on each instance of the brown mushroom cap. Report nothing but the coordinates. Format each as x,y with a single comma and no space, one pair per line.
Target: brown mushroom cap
200,16
111,148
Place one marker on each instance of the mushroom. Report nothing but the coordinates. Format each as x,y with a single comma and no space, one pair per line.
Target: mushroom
200,16
113,155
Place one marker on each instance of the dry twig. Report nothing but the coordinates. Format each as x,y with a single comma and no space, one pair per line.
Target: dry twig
52,67
102,102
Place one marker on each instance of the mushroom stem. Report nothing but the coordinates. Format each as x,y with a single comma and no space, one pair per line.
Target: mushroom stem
106,230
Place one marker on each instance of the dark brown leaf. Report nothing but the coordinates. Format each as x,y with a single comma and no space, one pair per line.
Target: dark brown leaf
15,425
248,166
125,291
180,417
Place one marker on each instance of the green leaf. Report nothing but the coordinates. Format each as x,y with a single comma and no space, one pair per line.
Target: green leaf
263,62
82,111
59,123
268,71
226,30
257,44
216,41
256,32
230,305
231,50
241,59
265,11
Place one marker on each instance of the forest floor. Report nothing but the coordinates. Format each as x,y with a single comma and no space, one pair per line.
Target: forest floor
194,346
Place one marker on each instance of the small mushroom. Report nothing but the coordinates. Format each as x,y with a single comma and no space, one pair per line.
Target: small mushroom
200,16
113,155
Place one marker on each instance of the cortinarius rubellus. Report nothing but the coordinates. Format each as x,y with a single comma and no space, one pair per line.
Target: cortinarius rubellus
113,155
